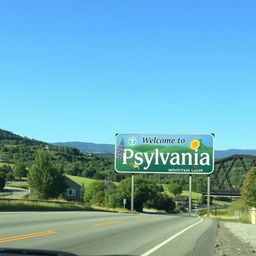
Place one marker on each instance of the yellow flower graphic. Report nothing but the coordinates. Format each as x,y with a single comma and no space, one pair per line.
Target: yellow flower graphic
194,144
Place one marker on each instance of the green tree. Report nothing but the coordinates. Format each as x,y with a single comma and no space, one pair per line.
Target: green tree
7,171
112,199
144,190
248,190
2,180
20,170
161,202
202,199
45,178
95,193
176,189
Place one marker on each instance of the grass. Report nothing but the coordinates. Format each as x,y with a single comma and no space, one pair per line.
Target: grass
195,196
81,180
5,194
84,181
219,202
218,213
237,211
119,210
20,205
23,185
23,205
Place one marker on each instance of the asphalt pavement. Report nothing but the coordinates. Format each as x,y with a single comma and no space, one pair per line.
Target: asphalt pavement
102,233
16,193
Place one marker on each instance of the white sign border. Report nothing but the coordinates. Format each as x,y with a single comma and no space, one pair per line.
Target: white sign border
166,134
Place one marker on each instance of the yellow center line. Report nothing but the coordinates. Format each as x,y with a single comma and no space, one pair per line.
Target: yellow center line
119,221
105,223
140,218
14,238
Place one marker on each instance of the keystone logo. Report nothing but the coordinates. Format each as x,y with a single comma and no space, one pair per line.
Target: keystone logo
132,141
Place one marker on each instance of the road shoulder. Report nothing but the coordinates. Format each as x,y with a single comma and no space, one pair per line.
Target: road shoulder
227,243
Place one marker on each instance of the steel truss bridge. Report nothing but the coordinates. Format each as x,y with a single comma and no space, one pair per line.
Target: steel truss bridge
229,174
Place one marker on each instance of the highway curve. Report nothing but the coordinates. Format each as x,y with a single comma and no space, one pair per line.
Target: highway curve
101,233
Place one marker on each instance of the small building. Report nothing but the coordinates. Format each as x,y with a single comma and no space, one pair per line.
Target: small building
181,200
73,190
109,185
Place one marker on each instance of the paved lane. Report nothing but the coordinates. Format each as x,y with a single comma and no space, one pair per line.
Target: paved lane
17,193
100,233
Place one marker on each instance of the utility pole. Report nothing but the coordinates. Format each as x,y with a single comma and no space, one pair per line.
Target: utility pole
190,195
132,194
208,196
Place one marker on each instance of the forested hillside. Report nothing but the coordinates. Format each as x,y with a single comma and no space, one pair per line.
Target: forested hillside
15,149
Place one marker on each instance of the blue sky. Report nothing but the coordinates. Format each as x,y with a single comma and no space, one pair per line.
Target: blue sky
85,70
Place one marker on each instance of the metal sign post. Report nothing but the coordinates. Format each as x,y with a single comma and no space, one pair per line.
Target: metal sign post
124,202
190,195
208,196
132,193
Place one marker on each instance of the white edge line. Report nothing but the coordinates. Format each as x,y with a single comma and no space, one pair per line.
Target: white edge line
170,238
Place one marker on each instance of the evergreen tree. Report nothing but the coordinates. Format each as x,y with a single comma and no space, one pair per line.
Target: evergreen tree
45,178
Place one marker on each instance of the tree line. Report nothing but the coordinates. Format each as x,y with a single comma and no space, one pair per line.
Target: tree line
19,156
146,194
46,180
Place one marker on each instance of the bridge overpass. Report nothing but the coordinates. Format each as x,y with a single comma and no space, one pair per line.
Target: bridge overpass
229,174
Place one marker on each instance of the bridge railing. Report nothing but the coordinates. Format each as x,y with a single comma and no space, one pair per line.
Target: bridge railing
223,192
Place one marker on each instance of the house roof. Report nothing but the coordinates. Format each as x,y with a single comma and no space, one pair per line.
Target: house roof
69,178
109,184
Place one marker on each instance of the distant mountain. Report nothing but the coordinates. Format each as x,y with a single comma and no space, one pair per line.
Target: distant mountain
230,152
88,147
110,148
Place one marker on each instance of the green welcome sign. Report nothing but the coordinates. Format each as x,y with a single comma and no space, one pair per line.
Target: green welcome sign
164,153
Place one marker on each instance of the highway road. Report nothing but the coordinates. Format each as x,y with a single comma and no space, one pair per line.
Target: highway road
102,233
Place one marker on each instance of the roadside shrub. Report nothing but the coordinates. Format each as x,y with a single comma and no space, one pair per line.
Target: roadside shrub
113,200
179,209
240,209
161,202
94,193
